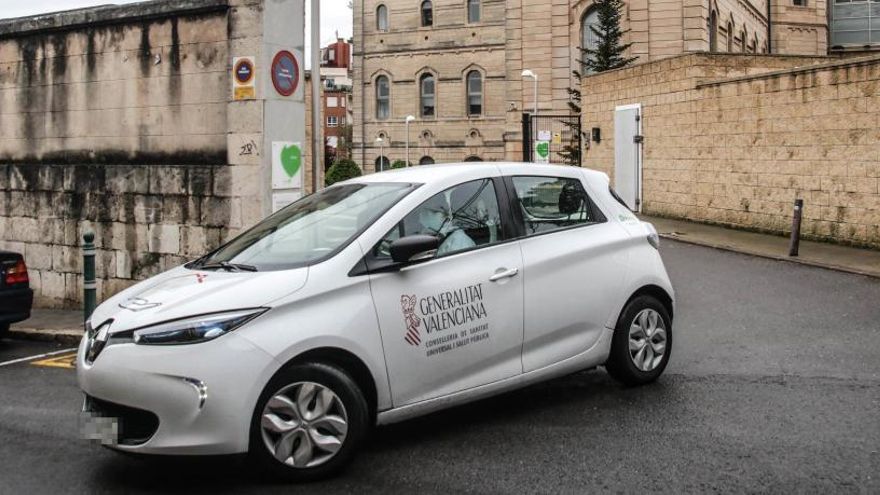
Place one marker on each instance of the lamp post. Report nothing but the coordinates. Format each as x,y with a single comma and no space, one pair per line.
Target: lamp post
409,118
317,128
528,73
381,143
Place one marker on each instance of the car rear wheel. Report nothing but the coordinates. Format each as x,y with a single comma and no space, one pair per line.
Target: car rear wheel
642,342
308,423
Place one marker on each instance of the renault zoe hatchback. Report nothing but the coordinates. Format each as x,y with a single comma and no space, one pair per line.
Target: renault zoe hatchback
372,301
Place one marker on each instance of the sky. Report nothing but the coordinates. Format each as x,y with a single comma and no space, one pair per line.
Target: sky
335,14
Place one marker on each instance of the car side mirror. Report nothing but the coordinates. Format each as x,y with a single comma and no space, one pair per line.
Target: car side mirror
414,248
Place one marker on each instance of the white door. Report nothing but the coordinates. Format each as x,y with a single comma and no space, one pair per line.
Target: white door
574,269
454,322
628,154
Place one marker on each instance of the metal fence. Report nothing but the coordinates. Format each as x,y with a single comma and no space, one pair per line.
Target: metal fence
561,132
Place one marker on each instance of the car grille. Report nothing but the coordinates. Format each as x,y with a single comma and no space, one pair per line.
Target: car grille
135,426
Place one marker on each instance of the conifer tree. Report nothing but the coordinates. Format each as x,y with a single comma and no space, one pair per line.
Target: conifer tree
607,54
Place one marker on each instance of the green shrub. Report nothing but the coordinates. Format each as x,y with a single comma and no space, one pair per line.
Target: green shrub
341,170
398,164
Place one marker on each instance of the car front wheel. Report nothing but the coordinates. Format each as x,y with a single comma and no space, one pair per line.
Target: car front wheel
308,423
642,342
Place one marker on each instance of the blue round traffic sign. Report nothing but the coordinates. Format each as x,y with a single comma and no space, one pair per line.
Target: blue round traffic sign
285,73
244,71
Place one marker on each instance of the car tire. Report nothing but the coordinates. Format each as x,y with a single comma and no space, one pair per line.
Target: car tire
643,330
314,396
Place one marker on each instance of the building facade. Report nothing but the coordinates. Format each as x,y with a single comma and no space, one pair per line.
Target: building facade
336,100
456,66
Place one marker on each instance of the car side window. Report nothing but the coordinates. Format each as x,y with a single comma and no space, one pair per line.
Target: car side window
464,216
551,203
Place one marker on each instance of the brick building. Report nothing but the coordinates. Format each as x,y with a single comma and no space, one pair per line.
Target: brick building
336,98
455,66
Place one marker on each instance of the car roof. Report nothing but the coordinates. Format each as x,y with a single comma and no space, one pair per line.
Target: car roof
428,173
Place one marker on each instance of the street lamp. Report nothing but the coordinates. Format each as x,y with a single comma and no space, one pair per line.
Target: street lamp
409,118
381,143
528,73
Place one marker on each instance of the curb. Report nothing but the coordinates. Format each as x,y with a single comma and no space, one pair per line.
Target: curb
66,336
790,259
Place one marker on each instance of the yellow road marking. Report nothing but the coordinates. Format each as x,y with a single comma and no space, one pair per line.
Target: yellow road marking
67,361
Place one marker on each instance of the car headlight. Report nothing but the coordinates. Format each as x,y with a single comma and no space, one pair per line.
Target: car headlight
195,329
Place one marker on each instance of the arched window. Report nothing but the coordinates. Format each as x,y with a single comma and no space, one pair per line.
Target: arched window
382,163
473,158
729,37
589,40
426,95
383,97
427,13
474,93
473,7
382,18
713,32
426,160
742,41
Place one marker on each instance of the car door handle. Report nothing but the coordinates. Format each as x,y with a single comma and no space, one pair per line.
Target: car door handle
505,274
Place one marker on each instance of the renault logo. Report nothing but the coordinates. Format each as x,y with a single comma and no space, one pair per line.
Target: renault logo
96,342
137,304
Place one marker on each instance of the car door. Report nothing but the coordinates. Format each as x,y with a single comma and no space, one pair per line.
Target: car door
574,269
455,321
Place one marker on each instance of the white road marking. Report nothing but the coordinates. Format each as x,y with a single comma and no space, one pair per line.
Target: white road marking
38,356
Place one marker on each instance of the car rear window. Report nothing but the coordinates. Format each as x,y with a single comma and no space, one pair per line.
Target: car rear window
553,203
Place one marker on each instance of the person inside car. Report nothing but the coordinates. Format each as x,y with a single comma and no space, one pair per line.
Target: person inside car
437,217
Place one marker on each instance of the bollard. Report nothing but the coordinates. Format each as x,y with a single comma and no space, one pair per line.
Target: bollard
796,228
89,285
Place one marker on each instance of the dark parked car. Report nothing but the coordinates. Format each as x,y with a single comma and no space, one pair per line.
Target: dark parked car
16,295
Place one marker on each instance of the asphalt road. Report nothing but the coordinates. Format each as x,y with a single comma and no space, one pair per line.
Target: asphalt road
774,386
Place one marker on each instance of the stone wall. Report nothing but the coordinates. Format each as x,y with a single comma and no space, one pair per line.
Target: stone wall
121,120
733,140
147,219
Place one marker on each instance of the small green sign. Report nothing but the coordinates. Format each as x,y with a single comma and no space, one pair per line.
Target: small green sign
291,159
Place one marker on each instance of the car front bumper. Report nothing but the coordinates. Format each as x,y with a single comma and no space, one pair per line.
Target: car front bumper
202,395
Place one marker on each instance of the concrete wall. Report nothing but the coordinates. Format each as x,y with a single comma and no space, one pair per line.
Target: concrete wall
733,140
149,91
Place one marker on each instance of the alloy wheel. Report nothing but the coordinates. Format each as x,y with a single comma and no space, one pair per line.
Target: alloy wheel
647,340
304,425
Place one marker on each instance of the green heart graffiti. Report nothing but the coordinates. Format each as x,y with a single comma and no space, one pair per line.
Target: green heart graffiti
291,159
543,149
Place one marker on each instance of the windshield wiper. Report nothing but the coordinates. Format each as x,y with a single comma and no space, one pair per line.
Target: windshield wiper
230,267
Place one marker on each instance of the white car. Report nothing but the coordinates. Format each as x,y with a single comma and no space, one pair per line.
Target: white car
373,301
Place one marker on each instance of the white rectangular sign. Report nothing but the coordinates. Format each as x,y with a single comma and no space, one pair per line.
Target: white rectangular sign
280,199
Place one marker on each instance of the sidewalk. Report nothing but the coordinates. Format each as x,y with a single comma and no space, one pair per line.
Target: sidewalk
831,256
66,326
56,325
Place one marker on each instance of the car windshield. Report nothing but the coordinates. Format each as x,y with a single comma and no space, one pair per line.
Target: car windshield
307,231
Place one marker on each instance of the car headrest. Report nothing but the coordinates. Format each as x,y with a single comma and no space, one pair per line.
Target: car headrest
570,199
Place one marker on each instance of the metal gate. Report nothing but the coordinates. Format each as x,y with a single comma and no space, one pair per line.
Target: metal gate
562,132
